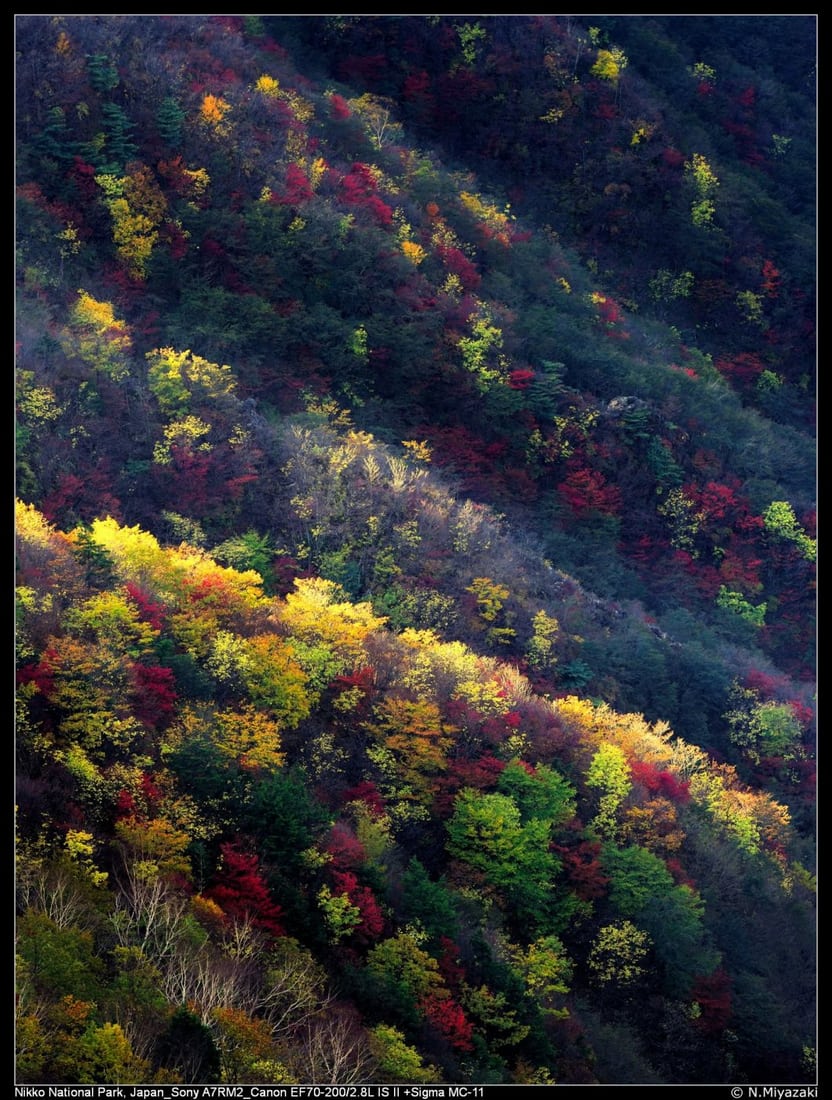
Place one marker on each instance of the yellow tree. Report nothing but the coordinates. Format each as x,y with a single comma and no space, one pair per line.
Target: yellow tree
491,597
418,739
317,615
609,64
137,207
243,734
653,825
275,680
205,597
92,684
97,337
245,1045
545,970
214,113
705,183
619,953
178,377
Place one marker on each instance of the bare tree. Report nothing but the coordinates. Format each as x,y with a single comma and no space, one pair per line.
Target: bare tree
374,112
206,979
149,914
295,988
54,890
334,1049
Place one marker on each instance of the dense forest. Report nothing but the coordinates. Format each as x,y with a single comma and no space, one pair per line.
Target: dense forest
415,549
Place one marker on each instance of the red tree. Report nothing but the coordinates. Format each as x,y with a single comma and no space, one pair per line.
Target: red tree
660,782
372,918
241,891
713,995
448,1018
154,695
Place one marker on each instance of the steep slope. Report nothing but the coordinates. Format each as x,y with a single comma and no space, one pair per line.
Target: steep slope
427,309
267,839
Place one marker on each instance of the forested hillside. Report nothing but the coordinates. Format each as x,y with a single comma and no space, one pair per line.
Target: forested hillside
415,549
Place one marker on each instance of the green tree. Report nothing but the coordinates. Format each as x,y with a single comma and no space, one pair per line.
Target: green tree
429,903
472,38
636,877
486,831
675,921
104,1053
340,915
249,551
402,962
282,813
169,120
53,140
119,148
395,1060
539,792
188,1048
642,889
610,772
61,961
494,1015
102,72
135,1000
736,604
762,728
